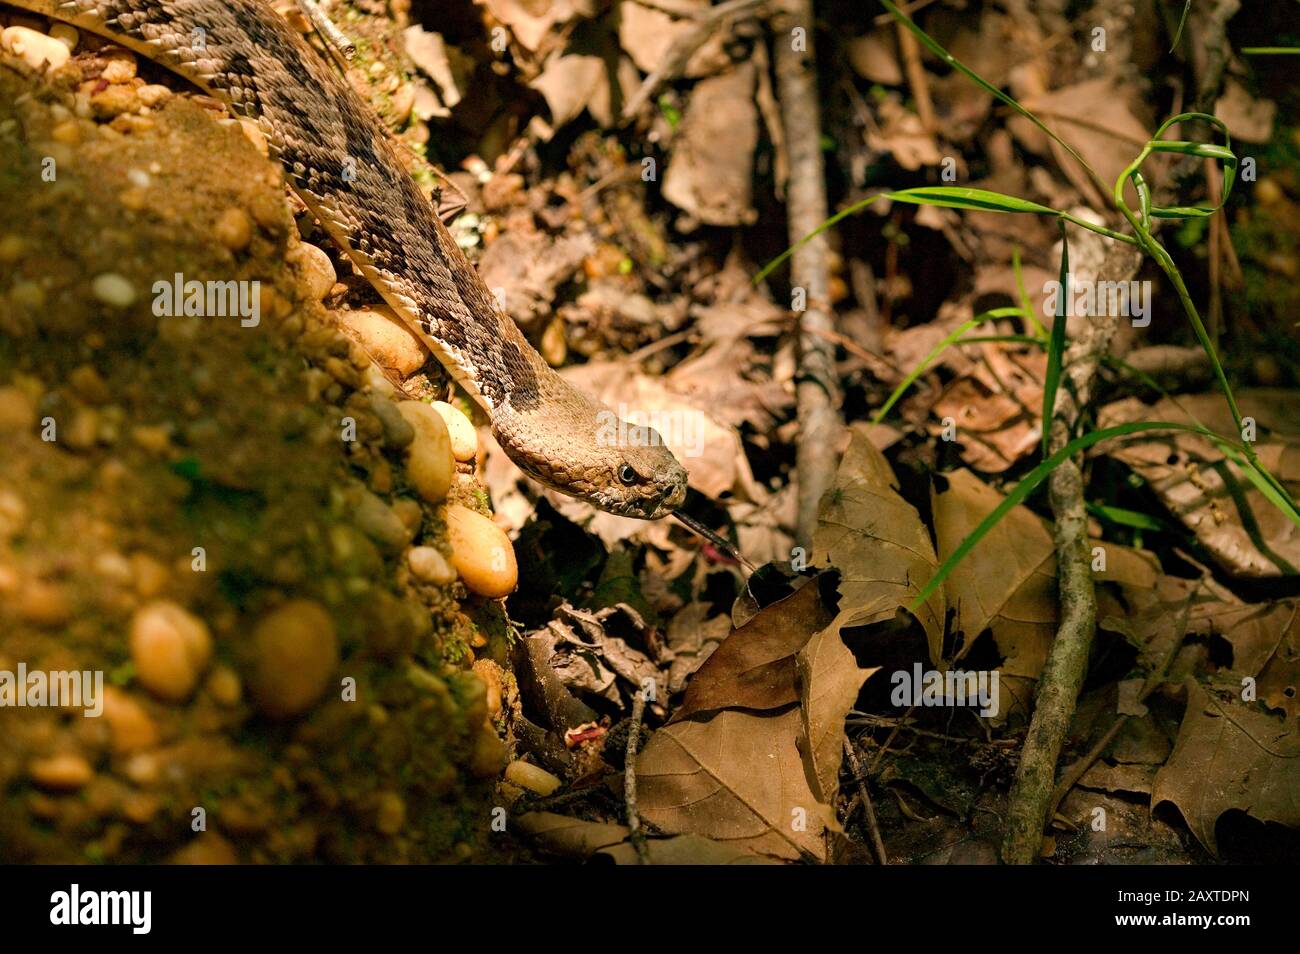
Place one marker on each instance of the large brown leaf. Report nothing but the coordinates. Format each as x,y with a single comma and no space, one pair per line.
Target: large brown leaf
754,668
1007,583
1230,755
829,683
1245,533
877,541
737,779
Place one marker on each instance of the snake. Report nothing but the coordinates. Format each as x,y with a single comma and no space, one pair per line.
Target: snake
338,158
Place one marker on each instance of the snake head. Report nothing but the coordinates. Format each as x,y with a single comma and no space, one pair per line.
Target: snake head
622,468
648,482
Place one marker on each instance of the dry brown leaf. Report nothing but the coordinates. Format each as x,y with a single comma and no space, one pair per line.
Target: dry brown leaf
1007,583
571,837
829,683
1247,117
1094,117
530,20
902,134
648,35
568,83
754,668
685,850
1246,534
528,267
738,779
877,541
710,173
873,57
1230,755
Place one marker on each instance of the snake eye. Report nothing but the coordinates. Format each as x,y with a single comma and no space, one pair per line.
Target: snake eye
627,475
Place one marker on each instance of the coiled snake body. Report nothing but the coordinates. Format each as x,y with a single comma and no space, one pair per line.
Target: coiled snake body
339,160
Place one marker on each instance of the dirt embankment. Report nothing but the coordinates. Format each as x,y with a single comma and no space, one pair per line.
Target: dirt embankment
214,513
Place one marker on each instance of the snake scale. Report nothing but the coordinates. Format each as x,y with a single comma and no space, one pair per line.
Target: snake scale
339,160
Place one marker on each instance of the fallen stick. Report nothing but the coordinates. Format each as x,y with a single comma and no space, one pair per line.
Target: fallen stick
817,392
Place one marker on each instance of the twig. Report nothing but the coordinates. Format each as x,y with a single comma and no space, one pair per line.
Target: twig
817,392
855,764
636,835
339,45
1062,676
684,48
911,51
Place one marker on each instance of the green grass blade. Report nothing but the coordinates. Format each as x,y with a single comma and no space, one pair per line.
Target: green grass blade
1123,517
947,342
1056,346
1271,50
1035,477
948,197
1025,303
1182,21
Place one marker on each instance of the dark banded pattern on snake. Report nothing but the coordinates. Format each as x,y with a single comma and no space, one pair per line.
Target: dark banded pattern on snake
339,160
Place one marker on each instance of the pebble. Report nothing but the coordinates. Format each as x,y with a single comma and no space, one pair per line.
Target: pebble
490,674
67,132
481,553
297,653
207,849
153,94
532,777
410,513
13,513
44,604
430,566
129,725
66,772
398,432
386,338
233,229
170,649
377,521
119,70
464,439
113,289
35,48
390,814
12,247
489,754
17,412
82,431
89,385
315,270
225,687
114,101
429,463
28,295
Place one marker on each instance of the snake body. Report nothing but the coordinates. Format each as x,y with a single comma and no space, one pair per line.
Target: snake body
339,160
